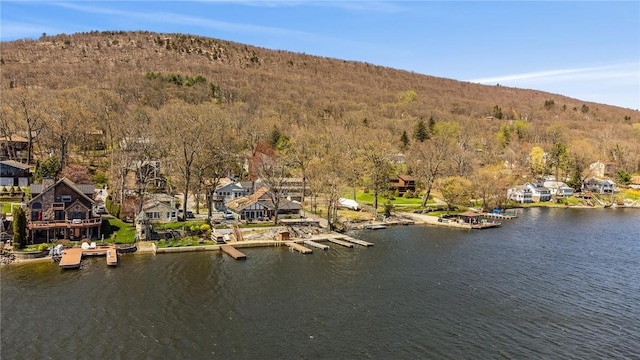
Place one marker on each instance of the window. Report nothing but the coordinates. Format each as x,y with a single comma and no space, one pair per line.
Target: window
66,198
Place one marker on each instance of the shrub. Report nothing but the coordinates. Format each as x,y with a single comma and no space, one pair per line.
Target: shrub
43,247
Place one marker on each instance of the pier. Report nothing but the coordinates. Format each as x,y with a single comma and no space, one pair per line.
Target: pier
299,248
341,242
72,258
233,252
374,227
357,241
317,245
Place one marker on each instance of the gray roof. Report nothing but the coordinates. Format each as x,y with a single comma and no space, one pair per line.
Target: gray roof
16,164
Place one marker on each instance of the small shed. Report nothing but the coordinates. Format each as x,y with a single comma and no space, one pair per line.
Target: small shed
283,235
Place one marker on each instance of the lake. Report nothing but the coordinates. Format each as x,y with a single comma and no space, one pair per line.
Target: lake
553,283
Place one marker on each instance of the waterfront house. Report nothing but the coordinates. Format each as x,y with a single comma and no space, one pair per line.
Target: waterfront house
539,193
62,210
259,205
402,184
558,189
598,186
230,190
520,194
14,173
159,212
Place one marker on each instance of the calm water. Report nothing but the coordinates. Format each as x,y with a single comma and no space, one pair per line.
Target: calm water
552,284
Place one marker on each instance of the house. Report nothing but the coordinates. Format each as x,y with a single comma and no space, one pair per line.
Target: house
599,169
159,212
520,193
259,205
402,184
62,210
230,190
539,193
558,189
293,188
598,186
15,148
13,173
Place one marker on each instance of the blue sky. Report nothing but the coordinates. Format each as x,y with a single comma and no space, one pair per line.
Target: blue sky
583,49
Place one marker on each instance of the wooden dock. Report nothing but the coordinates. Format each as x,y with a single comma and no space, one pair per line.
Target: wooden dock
112,257
233,252
299,248
317,245
71,258
341,242
357,241
374,227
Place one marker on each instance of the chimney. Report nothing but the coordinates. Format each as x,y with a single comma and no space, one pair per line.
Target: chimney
47,182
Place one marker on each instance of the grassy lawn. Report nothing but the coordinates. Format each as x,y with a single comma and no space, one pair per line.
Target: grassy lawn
118,231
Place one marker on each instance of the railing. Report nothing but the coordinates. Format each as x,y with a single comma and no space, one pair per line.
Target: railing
65,223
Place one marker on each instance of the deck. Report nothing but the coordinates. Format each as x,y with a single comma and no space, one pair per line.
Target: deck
233,252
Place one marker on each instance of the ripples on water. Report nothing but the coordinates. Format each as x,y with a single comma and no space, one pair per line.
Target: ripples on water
550,284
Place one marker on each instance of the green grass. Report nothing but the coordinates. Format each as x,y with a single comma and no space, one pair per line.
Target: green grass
116,230
400,203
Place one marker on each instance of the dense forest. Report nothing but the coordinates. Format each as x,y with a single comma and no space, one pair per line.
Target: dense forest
201,107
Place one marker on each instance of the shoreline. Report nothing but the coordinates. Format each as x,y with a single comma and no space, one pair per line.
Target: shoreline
149,247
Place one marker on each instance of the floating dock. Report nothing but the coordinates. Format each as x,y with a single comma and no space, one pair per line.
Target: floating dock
71,258
357,241
112,257
317,245
299,248
341,242
233,252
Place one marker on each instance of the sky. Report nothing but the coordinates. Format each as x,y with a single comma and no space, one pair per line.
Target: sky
587,50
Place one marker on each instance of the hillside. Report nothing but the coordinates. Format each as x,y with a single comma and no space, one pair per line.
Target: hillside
81,89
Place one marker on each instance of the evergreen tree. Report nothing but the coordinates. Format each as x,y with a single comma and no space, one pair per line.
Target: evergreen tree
420,132
19,227
49,167
432,126
405,140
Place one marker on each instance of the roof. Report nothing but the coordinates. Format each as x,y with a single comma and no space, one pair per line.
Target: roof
79,189
152,204
243,202
469,214
16,164
14,138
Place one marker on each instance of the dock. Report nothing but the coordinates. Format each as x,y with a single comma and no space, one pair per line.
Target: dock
71,258
341,242
299,248
317,245
357,241
112,257
233,252
374,227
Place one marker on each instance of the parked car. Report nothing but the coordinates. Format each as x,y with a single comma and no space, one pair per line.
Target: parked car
190,215
100,209
228,215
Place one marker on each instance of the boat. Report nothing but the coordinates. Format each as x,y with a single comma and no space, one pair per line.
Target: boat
127,249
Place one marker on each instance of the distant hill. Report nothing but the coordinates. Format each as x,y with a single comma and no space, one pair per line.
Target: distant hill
286,90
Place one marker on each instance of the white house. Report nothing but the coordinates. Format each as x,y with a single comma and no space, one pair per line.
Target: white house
520,193
158,212
558,189
539,193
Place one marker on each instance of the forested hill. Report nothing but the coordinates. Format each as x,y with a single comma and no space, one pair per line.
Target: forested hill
104,84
